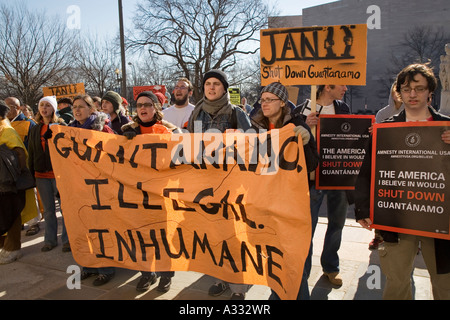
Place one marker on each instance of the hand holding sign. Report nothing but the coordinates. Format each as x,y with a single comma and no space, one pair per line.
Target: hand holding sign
446,136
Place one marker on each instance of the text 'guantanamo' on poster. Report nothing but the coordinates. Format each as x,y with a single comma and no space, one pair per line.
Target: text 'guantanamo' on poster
316,55
410,179
234,206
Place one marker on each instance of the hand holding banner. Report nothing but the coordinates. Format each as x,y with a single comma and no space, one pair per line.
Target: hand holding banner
159,203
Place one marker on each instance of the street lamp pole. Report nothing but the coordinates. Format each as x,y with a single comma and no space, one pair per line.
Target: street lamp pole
122,53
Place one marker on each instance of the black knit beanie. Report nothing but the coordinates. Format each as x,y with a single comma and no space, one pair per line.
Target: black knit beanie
149,95
218,74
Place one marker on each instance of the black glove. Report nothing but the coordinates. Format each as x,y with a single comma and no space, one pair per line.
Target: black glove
130,134
48,134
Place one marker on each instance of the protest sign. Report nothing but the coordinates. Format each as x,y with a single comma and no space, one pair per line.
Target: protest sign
341,143
314,55
234,206
410,174
64,91
235,96
155,88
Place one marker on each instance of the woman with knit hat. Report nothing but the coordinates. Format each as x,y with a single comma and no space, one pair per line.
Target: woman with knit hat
112,106
149,120
40,165
273,114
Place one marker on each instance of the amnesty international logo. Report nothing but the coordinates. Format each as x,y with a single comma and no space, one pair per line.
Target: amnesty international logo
412,140
346,127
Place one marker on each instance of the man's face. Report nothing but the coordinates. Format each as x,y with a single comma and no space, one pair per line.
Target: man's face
415,95
338,92
181,93
214,89
14,108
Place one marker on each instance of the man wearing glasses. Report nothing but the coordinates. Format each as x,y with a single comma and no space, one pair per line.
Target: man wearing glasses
179,113
415,85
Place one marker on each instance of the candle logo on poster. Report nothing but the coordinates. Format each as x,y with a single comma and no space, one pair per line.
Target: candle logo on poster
412,140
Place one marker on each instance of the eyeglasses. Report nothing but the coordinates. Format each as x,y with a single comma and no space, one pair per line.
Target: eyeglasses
268,100
145,105
419,89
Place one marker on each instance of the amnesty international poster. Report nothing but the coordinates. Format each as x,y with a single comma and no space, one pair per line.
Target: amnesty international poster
234,206
410,179
341,143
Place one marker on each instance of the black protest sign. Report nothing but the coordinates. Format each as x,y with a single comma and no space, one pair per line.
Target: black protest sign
410,173
341,144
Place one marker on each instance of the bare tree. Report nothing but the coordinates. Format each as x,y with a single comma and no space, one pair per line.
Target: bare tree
199,35
421,44
96,61
35,51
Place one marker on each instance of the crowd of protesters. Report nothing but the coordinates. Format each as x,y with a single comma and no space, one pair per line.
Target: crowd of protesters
28,136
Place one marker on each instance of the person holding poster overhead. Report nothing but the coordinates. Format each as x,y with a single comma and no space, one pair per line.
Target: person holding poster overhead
276,113
329,101
415,85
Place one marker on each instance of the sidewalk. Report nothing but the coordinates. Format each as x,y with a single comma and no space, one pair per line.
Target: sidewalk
43,276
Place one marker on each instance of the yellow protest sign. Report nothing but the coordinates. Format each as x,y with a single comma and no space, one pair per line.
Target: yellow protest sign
234,206
64,91
235,96
314,55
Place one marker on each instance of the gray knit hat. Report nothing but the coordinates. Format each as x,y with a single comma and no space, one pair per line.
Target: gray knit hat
277,89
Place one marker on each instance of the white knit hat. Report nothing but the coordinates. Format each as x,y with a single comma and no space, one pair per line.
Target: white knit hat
52,101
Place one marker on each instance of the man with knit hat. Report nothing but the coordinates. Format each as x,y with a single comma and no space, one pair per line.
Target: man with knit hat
112,105
214,111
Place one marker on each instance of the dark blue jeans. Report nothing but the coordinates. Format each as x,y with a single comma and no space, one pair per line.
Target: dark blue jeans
337,206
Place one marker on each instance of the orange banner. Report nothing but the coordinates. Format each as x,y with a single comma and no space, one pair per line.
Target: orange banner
321,55
234,206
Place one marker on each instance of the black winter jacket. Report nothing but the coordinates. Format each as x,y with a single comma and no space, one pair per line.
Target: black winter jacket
38,158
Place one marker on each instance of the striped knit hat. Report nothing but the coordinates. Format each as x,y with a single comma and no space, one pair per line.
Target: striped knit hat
277,89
